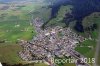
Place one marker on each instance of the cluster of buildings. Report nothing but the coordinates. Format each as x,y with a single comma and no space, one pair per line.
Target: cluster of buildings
48,43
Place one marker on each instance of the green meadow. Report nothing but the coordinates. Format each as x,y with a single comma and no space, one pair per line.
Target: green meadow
14,25
9,53
88,47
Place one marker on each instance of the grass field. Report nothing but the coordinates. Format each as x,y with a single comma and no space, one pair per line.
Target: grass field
14,25
8,53
89,43
85,49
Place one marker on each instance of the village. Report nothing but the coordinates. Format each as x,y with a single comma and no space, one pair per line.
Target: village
48,43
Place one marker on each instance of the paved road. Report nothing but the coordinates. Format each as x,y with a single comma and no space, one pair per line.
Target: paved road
97,50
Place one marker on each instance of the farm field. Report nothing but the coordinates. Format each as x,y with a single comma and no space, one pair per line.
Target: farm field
9,53
88,47
14,25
